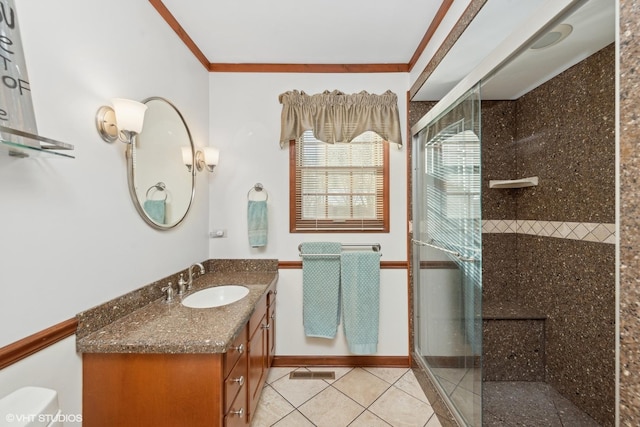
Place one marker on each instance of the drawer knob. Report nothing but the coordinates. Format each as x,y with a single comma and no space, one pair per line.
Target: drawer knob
239,412
267,326
239,380
239,348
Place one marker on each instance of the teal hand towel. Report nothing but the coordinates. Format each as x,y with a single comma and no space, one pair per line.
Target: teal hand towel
257,223
360,281
155,209
321,289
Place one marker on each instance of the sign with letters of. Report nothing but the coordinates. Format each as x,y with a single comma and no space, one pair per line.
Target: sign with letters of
16,106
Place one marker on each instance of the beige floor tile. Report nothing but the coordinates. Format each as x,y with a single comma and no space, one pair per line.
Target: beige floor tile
453,375
277,373
433,422
468,403
401,409
471,381
361,386
339,371
408,383
271,408
390,375
294,419
367,419
447,386
330,408
298,391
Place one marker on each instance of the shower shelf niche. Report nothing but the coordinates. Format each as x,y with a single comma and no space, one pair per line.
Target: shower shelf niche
531,181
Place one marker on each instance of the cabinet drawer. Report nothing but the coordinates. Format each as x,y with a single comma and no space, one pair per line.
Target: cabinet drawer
236,411
235,382
235,351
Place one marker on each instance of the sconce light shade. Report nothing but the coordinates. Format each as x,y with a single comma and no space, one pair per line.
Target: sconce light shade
123,121
129,114
207,157
187,157
211,156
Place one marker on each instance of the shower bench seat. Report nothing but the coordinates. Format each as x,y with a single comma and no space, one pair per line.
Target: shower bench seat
513,346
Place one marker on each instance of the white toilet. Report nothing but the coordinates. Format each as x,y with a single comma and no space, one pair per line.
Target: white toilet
30,407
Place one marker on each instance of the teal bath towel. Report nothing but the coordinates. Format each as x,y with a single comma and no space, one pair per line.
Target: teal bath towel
155,209
360,277
257,223
321,289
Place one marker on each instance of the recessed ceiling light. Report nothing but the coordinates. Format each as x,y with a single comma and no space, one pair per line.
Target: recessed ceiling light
554,36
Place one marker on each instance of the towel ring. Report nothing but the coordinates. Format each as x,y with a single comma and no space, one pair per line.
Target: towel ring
258,188
158,187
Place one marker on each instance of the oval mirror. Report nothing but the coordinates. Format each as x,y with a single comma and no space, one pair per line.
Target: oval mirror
161,185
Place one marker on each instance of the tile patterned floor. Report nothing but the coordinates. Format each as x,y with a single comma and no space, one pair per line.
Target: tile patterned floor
463,386
357,397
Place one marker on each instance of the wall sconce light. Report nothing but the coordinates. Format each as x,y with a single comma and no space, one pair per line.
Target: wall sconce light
124,121
206,157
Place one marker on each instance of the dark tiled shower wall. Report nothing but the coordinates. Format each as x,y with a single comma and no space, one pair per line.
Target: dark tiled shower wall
564,133
629,213
572,282
566,137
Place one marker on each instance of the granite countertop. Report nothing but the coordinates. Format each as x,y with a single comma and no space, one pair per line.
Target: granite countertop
161,327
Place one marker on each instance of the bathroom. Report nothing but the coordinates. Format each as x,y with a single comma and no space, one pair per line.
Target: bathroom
72,238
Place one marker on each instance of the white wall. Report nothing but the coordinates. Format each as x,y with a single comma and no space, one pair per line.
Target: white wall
57,367
245,126
393,329
70,237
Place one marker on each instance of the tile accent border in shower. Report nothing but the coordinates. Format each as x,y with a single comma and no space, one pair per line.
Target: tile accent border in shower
588,231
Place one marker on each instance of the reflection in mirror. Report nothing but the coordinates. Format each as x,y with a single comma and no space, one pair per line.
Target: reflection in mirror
161,186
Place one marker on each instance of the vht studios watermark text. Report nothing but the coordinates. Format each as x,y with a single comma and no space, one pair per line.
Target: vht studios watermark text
43,418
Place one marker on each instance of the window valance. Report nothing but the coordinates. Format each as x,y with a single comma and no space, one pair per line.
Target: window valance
337,117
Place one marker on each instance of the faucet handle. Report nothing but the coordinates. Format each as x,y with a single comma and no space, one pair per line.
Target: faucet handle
169,290
182,285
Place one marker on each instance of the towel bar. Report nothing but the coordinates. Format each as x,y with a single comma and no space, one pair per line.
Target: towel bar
375,247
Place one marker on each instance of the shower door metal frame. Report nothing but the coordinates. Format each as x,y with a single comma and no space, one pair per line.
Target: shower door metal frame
462,255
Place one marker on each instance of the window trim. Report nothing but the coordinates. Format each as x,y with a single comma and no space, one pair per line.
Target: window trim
294,218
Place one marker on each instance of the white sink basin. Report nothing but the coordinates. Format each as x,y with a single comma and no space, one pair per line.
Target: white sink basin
216,296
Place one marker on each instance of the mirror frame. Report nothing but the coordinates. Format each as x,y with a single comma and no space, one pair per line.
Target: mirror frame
131,173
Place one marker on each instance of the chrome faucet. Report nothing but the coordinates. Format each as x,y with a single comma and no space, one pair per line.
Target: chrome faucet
190,279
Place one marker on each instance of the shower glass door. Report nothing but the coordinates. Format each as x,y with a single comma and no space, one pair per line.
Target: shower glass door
447,267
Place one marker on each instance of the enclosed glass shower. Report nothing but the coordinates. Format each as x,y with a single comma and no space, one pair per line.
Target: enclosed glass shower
447,264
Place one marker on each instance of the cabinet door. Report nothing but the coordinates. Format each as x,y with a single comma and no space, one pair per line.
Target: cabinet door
163,390
271,332
257,365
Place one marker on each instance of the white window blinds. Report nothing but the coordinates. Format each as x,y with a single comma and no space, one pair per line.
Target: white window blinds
341,186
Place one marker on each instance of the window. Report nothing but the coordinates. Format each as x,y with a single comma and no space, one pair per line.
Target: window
339,187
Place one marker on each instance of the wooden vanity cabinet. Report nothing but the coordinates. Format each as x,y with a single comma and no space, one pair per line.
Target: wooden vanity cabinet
211,389
121,389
